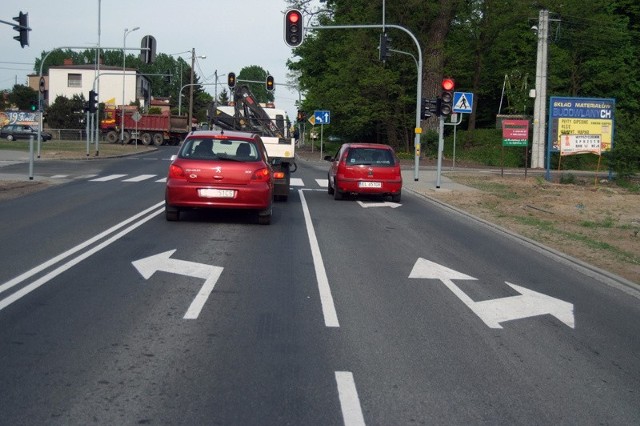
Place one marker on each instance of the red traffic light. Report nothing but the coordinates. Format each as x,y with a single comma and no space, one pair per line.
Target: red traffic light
448,84
293,28
293,16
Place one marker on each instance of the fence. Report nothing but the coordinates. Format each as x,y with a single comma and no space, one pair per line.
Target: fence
70,134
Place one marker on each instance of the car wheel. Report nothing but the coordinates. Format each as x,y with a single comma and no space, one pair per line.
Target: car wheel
112,136
337,194
396,197
158,139
146,138
172,213
10,138
329,187
264,217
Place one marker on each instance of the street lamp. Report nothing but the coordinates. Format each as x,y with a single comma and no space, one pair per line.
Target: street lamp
193,58
124,58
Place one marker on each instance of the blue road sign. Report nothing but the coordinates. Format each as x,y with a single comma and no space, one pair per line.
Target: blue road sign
462,102
322,117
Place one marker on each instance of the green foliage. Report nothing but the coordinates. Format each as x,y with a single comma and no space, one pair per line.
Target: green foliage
593,52
568,178
259,90
624,159
155,110
22,96
66,113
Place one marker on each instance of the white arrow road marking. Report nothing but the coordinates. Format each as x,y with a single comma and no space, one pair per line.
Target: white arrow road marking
383,204
528,303
163,262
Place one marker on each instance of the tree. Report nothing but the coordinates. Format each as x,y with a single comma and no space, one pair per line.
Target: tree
66,113
22,97
259,90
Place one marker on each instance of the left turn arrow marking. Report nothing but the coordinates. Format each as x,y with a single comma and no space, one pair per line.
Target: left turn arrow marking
163,262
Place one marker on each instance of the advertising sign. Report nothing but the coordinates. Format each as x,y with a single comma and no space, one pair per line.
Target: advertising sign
515,132
580,144
583,117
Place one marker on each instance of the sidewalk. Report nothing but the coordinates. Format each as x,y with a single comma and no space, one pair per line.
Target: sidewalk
8,157
427,180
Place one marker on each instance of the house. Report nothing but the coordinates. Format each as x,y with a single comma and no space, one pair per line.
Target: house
69,79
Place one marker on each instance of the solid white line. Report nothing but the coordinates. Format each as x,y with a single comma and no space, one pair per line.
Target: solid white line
54,260
349,401
139,178
46,278
328,308
107,178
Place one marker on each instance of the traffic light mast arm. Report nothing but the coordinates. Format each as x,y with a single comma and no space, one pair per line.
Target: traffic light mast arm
13,24
417,130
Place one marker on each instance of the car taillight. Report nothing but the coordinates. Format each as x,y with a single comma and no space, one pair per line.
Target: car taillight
278,175
261,175
176,172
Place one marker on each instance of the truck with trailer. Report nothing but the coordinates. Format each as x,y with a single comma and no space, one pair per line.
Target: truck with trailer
156,129
247,115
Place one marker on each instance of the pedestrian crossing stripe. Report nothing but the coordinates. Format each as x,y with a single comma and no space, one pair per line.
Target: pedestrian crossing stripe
294,182
107,178
139,178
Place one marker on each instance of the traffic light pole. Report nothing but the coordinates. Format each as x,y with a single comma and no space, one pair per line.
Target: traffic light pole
418,129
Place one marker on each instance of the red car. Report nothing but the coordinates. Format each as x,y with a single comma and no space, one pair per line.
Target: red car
365,168
220,170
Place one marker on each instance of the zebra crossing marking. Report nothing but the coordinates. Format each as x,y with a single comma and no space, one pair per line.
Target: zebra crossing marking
107,178
139,178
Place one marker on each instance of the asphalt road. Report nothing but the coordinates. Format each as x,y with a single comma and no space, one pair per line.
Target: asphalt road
339,312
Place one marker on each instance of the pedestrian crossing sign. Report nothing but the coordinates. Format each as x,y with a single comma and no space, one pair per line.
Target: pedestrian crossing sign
462,102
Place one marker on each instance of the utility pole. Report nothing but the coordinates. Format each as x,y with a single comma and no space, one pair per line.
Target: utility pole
539,109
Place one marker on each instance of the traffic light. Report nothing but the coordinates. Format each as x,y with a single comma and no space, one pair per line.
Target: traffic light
270,83
428,107
446,97
23,28
231,80
293,28
301,116
148,55
385,48
93,101
34,105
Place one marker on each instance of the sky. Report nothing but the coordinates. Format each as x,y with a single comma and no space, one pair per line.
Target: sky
231,34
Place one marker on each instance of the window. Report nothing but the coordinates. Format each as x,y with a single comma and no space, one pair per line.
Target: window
74,80
216,149
370,156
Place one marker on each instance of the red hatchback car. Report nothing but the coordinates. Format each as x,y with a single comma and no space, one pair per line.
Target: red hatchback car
220,170
365,168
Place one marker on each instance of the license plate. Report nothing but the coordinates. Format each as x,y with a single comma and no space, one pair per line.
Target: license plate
216,193
370,184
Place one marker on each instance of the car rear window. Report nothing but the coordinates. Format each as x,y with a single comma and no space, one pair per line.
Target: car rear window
370,157
219,149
